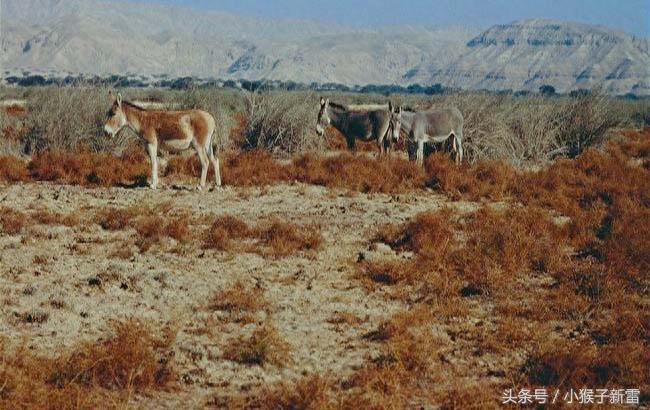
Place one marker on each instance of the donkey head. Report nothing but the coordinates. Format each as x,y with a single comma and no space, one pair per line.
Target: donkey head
116,117
395,121
323,117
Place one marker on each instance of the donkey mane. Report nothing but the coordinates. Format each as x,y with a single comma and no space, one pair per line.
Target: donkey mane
132,105
359,107
338,106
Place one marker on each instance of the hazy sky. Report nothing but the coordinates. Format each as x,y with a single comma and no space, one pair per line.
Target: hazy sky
632,16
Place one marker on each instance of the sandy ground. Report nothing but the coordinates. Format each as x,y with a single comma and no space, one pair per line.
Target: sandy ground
170,287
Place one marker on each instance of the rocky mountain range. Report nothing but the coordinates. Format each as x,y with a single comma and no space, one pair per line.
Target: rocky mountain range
101,37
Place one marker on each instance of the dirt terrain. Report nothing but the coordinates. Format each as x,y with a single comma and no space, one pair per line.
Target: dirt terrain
75,269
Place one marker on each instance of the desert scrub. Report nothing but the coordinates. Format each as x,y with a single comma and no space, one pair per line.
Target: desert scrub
86,168
13,169
66,118
281,122
239,303
11,222
264,346
281,239
131,359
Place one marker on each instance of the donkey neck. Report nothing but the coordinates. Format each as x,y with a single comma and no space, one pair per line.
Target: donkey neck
135,117
407,120
338,117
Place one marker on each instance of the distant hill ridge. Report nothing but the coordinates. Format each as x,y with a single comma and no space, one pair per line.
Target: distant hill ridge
97,37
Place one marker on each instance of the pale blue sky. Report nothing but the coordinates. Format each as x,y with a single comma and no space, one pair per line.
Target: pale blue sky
632,16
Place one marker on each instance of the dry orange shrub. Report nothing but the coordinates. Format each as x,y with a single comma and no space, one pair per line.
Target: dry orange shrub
13,169
237,134
484,249
487,179
150,231
240,302
11,222
276,238
310,392
571,365
256,167
105,373
264,346
178,228
283,239
358,173
223,230
87,168
46,217
114,219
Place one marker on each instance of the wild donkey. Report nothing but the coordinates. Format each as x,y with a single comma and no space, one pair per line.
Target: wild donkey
430,126
174,130
363,122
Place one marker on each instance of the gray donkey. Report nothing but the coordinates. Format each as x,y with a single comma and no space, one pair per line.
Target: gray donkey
445,125
366,123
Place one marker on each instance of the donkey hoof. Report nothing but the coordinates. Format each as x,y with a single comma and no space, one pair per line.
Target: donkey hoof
153,187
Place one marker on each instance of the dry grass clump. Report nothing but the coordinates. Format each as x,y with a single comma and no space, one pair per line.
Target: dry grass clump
283,239
128,360
253,168
178,228
47,217
88,169
359,173
263,346
515,240
13,169
281,122
309,393
223,230
486,179
114,219
239,302
634,144
276,238
150,231
403,370
11,222
400,376
131,360
572,365
484,249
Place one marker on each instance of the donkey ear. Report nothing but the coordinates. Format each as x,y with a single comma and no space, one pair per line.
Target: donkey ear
322,101
327,101
119,99
390,106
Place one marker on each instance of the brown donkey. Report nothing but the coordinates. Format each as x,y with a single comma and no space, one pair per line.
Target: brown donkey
173,130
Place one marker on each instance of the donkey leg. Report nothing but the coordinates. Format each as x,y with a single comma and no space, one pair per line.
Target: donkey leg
454,148
460,150
152,149
215,163
420,154
203,157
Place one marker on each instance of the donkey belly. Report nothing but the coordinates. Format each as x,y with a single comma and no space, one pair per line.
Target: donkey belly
177,145
438,138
